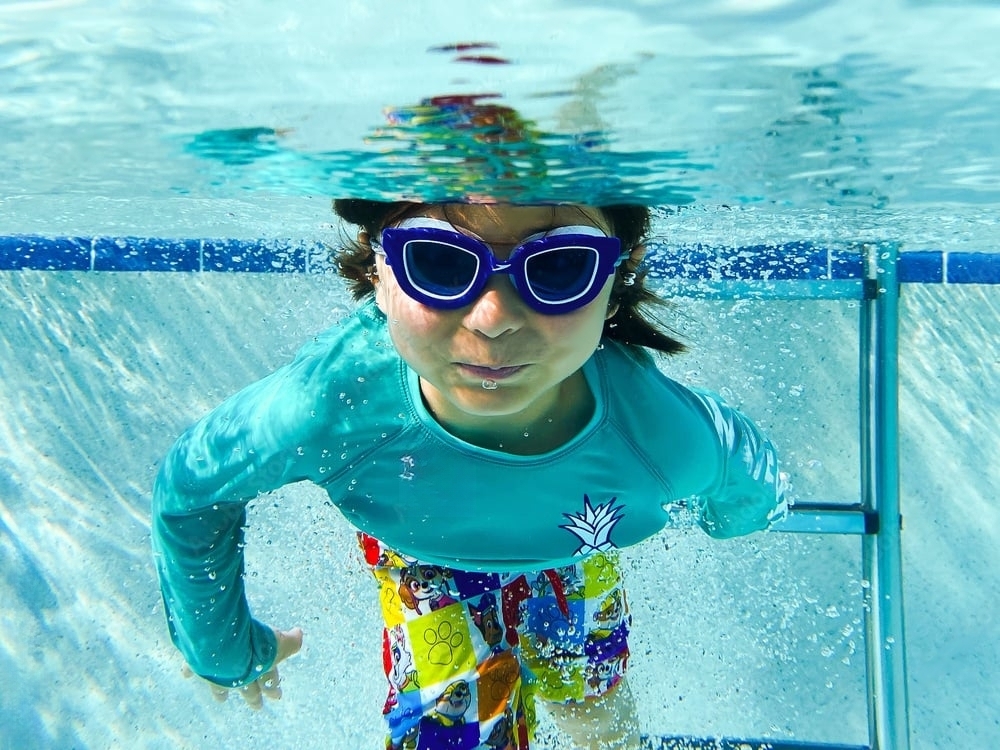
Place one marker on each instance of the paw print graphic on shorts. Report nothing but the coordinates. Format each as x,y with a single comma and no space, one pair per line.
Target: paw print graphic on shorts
442,640
497,677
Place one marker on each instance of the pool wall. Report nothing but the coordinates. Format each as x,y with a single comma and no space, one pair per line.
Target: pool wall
754,637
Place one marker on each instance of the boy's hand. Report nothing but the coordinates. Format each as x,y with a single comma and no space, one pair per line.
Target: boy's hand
268,684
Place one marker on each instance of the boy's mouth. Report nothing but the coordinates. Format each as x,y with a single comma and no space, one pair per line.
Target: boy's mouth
492,373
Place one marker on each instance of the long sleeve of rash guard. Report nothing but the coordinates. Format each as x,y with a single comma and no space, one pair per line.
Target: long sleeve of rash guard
199,509
750,493
200,564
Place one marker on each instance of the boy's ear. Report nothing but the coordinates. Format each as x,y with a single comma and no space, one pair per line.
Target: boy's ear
373,274
634,259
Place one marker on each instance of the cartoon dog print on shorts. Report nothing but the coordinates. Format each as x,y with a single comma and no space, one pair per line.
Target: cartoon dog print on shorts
425,586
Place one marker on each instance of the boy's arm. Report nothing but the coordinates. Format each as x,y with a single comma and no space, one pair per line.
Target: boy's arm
237,452
199,559
749,493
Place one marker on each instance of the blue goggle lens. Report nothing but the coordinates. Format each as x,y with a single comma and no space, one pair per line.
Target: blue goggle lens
562,274
438,268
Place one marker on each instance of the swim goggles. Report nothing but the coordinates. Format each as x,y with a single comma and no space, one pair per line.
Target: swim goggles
555,272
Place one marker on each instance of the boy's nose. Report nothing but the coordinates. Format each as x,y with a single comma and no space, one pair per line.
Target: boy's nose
498,310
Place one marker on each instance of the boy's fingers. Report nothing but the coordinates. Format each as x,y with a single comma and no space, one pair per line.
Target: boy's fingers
270,685
251,694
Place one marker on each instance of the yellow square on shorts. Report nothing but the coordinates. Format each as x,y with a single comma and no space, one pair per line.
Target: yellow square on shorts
442,647
600,575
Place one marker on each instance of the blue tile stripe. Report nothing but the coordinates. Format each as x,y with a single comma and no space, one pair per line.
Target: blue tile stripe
972,268
797,261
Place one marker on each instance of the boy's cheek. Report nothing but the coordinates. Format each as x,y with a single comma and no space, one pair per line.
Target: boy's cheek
407,318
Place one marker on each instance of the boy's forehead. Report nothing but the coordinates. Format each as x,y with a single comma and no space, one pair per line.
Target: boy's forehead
504,221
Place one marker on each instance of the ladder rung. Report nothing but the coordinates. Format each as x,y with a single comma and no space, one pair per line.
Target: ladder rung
828,518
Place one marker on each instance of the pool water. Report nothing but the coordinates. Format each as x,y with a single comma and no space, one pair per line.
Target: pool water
879,119
765,121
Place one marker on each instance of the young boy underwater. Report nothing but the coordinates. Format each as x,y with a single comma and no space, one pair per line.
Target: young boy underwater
491,421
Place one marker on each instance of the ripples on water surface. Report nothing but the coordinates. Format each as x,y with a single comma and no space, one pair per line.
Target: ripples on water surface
879,115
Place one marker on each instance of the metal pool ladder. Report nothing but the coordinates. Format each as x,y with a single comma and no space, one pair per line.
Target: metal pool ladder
867,273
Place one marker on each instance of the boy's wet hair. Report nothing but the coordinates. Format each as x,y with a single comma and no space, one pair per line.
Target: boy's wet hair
635,324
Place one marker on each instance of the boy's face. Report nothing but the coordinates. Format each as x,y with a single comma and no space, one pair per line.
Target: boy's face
533,358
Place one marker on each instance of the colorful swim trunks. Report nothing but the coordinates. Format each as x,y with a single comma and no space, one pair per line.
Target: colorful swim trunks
465,653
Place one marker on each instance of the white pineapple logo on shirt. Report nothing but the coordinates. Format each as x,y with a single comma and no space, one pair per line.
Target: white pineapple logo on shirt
594,525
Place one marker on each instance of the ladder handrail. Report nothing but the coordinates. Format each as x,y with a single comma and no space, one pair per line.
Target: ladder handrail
885,647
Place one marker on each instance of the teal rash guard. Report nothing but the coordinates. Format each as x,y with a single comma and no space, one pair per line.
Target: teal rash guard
347,414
